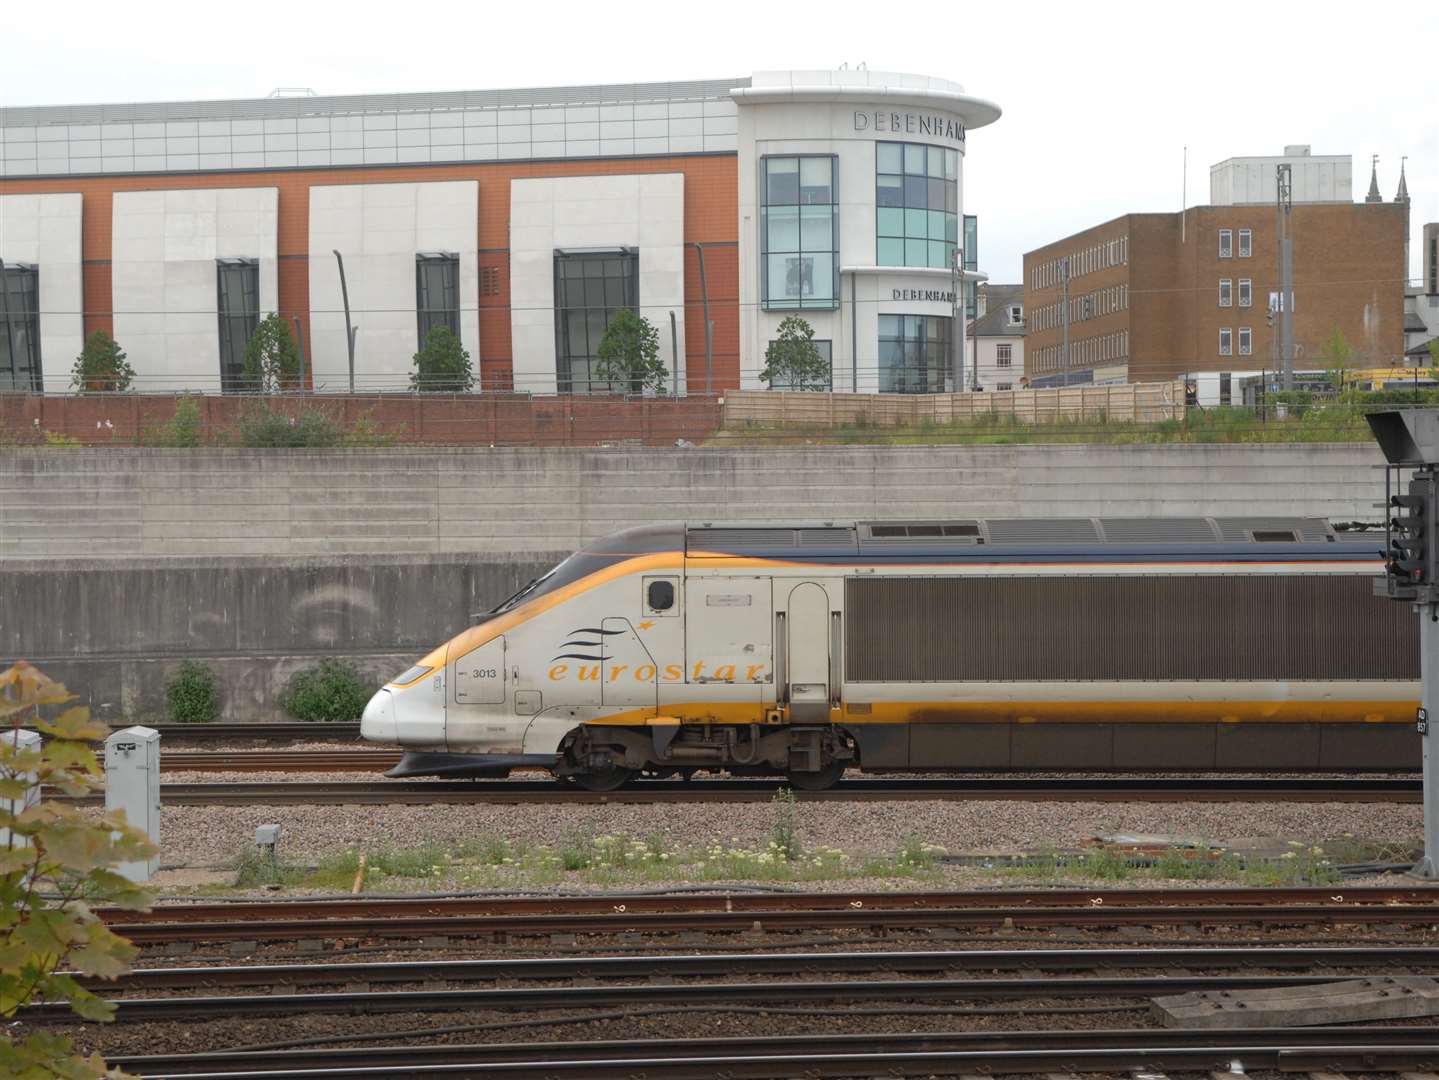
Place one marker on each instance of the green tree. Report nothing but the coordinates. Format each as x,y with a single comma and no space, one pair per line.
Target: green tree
793,361
101,366
443,365
1337,354
629,354
272,360
58,863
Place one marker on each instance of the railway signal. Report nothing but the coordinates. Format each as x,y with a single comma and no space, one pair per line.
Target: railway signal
1409,440
1411,554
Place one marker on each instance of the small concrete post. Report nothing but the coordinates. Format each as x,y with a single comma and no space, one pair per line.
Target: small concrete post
132,784
22,740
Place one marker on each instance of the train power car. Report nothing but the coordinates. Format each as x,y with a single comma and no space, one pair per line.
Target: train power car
807,649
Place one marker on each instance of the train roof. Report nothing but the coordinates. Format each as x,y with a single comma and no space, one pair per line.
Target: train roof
1206,537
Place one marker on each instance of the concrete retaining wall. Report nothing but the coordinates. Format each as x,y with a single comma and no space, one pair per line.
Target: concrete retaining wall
205,503
114,630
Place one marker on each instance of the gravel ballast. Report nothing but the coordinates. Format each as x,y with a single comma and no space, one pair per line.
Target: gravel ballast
206,835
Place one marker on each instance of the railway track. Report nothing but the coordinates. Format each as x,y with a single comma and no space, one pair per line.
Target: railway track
1174,962
1057,789
499,918
1291,1050
903,1054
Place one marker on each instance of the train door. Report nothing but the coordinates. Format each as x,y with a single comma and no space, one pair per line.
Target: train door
810,680
628,676
476,713
728,631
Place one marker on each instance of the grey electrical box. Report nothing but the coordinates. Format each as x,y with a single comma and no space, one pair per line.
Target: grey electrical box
23,741
132,784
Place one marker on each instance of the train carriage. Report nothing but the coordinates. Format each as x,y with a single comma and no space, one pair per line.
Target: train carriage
1105,643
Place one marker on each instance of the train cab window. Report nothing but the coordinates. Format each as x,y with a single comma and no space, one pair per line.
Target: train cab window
1273,536
660,596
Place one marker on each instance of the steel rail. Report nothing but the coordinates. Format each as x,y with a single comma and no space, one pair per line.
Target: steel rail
429,792
291,732
1137,988
689,966
744,903
885,920
361,1061
1301,1056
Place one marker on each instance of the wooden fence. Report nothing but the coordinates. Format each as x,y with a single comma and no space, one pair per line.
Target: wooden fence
1137,402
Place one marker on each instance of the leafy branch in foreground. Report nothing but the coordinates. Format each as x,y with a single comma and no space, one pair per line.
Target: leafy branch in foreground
55,863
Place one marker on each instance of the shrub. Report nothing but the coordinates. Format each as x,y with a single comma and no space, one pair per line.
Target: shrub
185,428
442,364
330,691
272,362
191,695
101,366
261,426
60,439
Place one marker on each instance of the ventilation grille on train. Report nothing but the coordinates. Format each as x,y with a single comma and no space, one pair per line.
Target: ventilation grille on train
883,534
1158,530
1301,530
763,540
1042,530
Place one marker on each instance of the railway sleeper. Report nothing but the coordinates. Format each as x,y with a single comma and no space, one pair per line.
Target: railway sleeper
600,757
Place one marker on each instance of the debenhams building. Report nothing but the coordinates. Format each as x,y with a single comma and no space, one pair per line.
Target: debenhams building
520,219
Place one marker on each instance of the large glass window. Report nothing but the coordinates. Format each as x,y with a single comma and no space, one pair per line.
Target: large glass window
20,328
437,292
914,353
590,286
916,205
799,232
239,306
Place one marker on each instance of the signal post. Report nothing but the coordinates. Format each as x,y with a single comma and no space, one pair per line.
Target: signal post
1409,440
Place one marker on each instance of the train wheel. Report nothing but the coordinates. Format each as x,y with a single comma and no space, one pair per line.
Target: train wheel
609,779
818,781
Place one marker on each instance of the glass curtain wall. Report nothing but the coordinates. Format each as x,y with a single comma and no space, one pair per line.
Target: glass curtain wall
799,232
20,329
437,293
916,205
238,282
590,287
914,353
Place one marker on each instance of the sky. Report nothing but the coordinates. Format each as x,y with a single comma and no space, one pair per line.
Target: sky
1100,99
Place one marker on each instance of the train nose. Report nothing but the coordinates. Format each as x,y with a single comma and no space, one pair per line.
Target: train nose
377,722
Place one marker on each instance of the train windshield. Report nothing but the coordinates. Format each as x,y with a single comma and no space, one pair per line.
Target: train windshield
525,590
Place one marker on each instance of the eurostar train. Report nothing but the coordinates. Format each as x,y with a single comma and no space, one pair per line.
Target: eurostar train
807,649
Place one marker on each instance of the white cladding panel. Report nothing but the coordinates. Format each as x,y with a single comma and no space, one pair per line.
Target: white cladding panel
380,229
164,249
644,211
44,231
1238,181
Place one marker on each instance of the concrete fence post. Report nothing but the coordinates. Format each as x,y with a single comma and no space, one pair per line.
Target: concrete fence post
132,784
22,741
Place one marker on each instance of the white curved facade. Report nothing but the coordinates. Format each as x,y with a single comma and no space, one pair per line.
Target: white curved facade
857,119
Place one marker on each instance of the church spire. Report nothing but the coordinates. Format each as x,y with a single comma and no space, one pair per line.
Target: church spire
1402,195
1374,195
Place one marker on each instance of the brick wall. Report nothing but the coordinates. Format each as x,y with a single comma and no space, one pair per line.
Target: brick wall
439,419
1348,273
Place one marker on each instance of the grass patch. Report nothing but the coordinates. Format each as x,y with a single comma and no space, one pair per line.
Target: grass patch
1336,423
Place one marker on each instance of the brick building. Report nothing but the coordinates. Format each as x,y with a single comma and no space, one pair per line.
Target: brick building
1153,296
520,220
